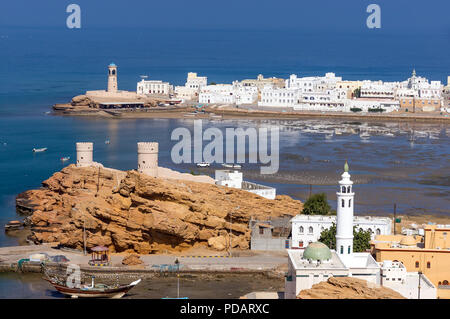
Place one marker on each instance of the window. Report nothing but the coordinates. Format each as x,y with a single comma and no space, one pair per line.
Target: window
310,230
428,264
349,203
348,189
343,203
261,230
349,249
342,249
343,189
300,244
417,264
445,282
301,230
378,231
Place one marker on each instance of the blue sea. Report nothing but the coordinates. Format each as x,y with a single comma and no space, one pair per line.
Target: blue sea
43,66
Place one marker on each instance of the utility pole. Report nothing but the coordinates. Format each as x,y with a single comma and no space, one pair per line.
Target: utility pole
395,217
418,288
84,232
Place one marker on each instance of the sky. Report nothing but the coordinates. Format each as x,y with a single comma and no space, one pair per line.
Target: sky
346,15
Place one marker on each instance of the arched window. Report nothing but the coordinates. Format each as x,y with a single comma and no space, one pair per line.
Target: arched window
348,189
445,282
343,189
428,264
378,231
301,229
370,229
310,230
417,264
350,203
343,203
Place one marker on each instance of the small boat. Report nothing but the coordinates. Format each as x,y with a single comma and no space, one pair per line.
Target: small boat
107,142
364,136
203,164
38,150
65,159
232,165
94,290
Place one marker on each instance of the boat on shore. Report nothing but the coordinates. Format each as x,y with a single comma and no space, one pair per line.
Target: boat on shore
203,164
38,150
94,290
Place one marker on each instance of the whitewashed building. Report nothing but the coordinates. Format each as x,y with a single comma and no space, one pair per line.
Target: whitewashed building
153,87
317,262
234,179
278,97
307,228
192,87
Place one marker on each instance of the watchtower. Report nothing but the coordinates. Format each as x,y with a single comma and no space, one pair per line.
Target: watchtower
148,158
85,154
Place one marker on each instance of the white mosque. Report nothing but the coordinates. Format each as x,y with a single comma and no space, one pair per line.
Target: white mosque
317,262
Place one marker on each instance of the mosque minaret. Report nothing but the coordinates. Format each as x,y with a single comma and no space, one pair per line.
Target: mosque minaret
344,218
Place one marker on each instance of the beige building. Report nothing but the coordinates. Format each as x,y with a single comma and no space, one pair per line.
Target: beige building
349,86
428,254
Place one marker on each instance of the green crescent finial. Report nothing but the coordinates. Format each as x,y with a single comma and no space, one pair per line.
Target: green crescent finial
346,167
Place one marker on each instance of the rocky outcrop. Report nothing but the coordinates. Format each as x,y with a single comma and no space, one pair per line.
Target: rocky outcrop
132,260
129,211
348,288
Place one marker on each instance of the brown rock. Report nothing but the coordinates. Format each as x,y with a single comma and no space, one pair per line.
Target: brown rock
132,260
128,211
348,288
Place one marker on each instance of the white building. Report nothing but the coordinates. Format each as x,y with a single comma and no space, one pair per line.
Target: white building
153,87
278,97
307,228
313,84
192,87
219,93
395,276
234,179
317,262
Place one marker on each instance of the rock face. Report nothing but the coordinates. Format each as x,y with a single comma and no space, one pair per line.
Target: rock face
348,288
132,212
132,260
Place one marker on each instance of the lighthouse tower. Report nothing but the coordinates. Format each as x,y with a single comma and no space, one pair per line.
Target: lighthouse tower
344,218
112,78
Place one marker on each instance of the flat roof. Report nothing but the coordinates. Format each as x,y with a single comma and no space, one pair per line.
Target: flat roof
296,255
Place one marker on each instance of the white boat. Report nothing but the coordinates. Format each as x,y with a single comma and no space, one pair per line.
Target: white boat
107,142
203,164
231,165
38,150
64,159
364,136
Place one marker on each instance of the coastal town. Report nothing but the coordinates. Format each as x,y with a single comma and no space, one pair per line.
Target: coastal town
415,96
153,220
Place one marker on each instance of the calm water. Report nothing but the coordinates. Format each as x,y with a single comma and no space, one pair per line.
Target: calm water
40,67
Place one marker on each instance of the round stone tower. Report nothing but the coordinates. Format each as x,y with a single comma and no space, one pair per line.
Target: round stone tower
112,78
344,216
148,158
84,154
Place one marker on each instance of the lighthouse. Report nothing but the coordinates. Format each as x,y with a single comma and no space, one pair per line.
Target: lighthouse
344,218
112,78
